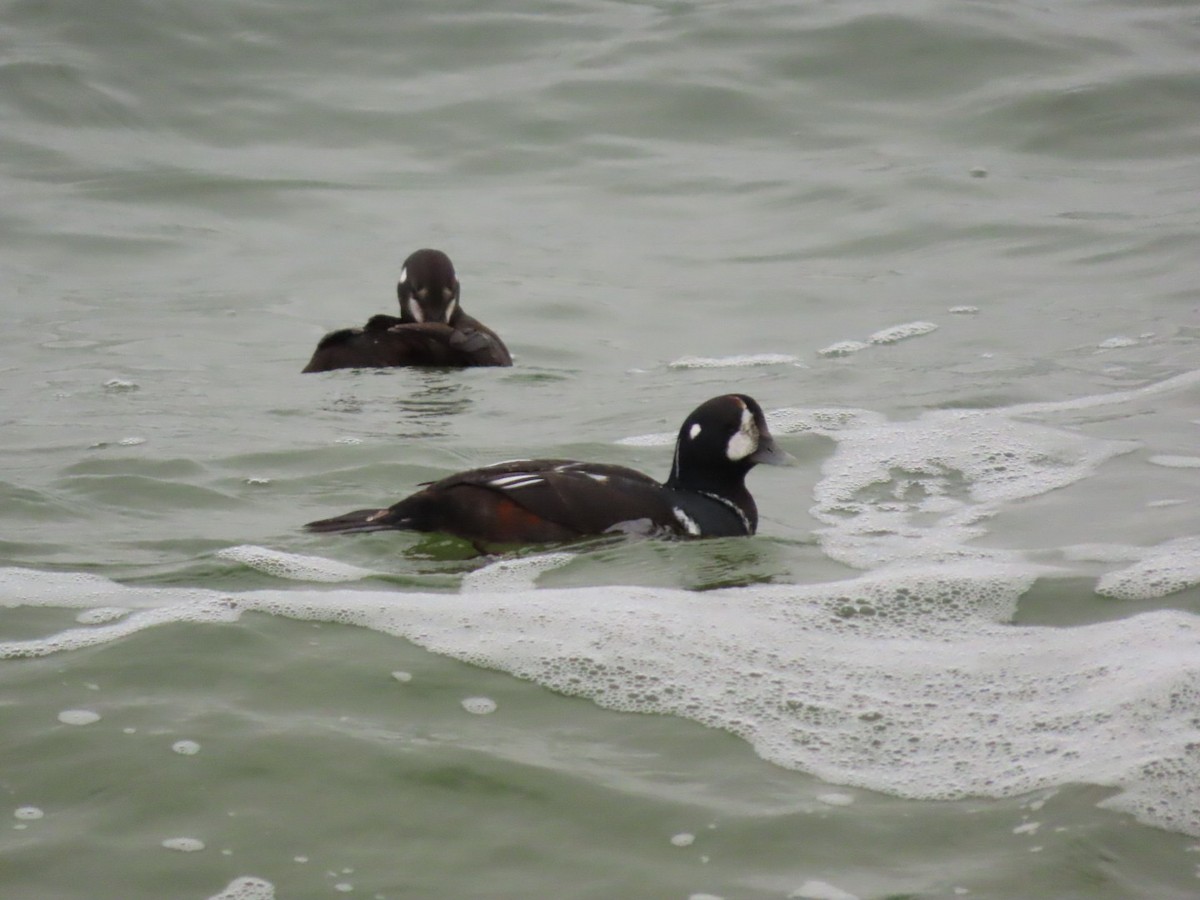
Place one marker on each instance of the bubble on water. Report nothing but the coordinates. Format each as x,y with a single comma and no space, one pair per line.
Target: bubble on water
28,813
402,677
184,844
733,362
121,385
149,607
101,614
517,574
293,566
186,748
843,348
836,799
683,839
1115,343
343,887
1027,828
78,717
886,681
257,480
348,440
247,888
1161,570
923,488
1175,462
1104,553
896,333
479,706
820,890
964,310
131,441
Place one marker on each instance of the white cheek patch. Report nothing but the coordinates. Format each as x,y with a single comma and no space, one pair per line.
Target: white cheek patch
415,308
404,275
688,523
745,441
450,310
694,431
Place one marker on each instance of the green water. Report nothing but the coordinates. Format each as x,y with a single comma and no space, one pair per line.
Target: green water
960,659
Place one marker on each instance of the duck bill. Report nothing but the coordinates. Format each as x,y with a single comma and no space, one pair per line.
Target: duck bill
770,454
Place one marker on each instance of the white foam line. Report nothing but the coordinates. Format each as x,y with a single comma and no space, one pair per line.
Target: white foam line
294,566
910,681
1175,383
212,609
513,574
733,362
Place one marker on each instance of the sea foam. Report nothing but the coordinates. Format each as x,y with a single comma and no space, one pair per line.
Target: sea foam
888,681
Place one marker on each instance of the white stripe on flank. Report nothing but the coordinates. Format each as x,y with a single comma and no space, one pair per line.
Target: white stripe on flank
521,479
688,523
741,513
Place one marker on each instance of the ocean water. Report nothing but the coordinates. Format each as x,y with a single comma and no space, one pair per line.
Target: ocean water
950,247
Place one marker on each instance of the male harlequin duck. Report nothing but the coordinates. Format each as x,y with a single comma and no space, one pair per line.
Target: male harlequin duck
543,500
432,329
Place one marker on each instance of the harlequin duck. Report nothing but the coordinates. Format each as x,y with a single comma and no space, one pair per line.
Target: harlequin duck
543,500
432,329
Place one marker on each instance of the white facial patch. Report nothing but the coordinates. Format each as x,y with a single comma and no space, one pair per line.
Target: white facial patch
694,430
745,441
688,523
404,275
450,310
415,308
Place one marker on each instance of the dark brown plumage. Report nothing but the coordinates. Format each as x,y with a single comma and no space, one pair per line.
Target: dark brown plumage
432,329
547,500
